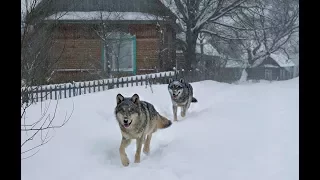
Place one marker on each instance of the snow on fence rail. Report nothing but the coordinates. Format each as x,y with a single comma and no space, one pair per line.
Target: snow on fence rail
66,90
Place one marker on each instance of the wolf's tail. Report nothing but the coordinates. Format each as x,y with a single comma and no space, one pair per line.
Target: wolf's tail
163,122
194,100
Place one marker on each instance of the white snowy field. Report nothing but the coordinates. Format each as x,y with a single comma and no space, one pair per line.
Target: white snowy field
234,132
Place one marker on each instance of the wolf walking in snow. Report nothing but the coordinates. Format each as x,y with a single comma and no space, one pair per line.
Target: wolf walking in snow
137,120
181,94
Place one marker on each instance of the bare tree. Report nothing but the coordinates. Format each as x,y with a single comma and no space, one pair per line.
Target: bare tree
37,42
115,40
194,15
256,29
268,25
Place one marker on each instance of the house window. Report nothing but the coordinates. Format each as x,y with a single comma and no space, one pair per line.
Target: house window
121,52
268,74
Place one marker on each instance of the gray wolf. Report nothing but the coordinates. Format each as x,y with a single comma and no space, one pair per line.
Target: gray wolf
181,94
137,120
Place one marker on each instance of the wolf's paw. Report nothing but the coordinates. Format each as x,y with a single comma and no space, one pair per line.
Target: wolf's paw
137,159
146,150
183,114
125,161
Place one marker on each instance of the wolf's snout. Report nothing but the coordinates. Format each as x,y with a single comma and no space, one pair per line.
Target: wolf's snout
175,94
125,121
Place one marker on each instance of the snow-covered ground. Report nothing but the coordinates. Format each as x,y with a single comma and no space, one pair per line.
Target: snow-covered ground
234,132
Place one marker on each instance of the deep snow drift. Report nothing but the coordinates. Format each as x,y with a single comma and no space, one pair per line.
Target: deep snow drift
234,132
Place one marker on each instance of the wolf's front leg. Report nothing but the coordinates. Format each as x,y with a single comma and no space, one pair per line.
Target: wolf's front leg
138,151
175,109
124,144
183,111
185,108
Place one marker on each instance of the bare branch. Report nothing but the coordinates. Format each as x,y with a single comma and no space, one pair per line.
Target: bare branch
37,43
223,37
217,14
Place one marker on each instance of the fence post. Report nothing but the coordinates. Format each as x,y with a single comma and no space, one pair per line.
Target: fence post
74,89
99,84
40,93
103,85
65,90
46,92
69,90
50,89
146,80
30,93
112,84
55,92
60,93
80,88
159,80
127,79
122,83
136,80
142,79
37,95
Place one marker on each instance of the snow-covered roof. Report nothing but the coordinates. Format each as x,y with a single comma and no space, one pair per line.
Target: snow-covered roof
282,60
235,64
98,15
270,66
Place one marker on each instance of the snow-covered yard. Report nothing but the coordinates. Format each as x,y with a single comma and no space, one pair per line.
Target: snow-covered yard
234,132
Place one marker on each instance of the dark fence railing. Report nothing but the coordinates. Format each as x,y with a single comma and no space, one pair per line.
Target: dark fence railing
60,91
66,90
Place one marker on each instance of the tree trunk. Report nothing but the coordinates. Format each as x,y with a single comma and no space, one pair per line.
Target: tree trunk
106,60
190,54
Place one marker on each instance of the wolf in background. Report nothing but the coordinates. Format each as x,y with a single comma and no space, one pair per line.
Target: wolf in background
137,120
181,94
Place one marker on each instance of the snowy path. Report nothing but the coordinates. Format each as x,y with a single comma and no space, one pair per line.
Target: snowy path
234,132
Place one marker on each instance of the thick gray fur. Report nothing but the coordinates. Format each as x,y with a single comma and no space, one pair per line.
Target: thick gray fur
181,94
137,120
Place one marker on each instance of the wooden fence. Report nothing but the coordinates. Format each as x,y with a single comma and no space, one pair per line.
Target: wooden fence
60,91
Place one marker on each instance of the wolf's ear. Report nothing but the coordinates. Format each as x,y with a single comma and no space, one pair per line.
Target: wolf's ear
182,80
119,98
170,80
135,98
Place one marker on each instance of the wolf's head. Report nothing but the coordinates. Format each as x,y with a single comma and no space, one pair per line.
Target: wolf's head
127,110
176,87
